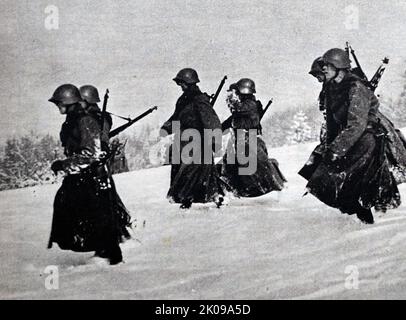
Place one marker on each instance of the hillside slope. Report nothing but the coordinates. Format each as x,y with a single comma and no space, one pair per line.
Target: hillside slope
281,245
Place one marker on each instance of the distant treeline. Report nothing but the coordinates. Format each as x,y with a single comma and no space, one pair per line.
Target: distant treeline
26,161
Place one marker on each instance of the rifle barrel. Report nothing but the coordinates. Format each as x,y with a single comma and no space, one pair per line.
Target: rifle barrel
266,107
116,131
355,57
378,74
347,48
104,110
362,73
214,99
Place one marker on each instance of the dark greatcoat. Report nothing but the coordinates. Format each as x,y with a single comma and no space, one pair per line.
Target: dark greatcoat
316,156
94,111
195,182
88,213
357,134
246,115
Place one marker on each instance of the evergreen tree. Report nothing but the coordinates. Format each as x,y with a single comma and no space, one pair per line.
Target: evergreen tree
300,130
394,108
26,161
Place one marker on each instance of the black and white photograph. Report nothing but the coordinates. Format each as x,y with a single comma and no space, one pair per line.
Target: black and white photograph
191,150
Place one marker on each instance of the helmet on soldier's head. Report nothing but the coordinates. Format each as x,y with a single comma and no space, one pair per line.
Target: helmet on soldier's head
245,86
317,66
232,87
67,94
338,58
187,75
89,93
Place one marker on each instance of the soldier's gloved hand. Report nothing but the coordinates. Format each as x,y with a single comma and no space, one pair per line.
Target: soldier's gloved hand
57,166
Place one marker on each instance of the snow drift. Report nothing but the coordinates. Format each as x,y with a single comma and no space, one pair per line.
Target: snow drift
279,246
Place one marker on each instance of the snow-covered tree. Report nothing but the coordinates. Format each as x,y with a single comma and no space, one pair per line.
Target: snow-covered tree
277,126
139,146
394,107
300,131
26,161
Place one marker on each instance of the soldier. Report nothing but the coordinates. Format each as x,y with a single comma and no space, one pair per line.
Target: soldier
246,114
316,70
355,172
88,214
193,182
247,87
90,98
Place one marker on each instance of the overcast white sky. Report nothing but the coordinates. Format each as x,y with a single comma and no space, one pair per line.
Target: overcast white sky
135,48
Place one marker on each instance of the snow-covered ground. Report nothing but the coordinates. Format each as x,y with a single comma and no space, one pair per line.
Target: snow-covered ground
279,246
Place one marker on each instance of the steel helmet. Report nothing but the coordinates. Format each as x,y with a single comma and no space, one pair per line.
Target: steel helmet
245,86
67,94
89,93
317,66
187,75
232,86
338,58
